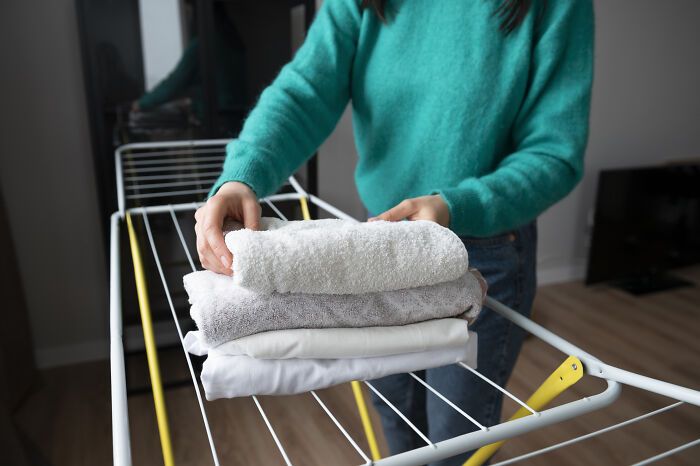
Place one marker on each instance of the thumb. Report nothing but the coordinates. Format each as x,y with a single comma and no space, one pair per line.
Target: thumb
400,212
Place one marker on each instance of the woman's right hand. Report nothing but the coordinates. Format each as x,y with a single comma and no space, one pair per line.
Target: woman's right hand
233,199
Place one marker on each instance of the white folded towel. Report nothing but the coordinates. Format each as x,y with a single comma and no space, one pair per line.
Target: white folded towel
334,343
225,311
232,376
343,257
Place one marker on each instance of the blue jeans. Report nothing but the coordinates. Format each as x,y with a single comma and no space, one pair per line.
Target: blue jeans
507,262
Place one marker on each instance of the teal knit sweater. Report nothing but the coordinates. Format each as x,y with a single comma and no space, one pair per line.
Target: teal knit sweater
443,102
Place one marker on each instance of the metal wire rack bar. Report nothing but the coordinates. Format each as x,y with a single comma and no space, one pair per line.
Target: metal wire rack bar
272,431
452,405
176,222
173,184
587,436
498,387
341,428
173,144
400,414
275,209
168,193
121,445
172,168
171,177
668,453
137,163
142,155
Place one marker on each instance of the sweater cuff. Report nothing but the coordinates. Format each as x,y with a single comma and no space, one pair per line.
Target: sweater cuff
146,102
467,214
250,165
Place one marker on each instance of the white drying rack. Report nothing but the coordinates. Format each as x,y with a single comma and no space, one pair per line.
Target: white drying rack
166,174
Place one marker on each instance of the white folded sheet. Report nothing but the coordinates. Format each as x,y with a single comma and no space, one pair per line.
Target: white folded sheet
233,376
343,257
334,343
224,311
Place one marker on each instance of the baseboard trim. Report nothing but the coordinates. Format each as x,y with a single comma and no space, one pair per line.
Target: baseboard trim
559,274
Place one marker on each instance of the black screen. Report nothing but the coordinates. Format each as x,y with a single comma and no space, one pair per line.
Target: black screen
647,220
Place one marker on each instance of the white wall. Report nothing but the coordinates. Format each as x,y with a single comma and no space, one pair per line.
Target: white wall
646,109
47,181
161,38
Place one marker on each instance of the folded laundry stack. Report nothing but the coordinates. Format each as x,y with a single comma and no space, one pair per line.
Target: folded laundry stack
316,303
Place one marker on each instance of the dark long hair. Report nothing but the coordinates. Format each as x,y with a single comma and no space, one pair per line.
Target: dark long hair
511,13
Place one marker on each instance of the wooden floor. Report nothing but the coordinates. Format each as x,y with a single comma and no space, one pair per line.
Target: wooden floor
658,335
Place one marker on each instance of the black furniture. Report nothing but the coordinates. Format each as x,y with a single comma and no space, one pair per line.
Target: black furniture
647,222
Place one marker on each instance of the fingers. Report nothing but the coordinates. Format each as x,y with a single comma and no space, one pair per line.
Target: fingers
405,209
432,207
206,254
211,246
251,214
235,199
211,229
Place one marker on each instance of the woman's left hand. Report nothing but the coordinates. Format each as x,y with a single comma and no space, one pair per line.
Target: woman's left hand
433,208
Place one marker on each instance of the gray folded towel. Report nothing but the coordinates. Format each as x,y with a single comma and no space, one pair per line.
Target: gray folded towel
333,256
225,311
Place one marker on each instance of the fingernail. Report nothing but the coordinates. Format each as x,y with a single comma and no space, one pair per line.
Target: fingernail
224,261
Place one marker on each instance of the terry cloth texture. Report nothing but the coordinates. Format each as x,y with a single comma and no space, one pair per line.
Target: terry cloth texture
335,343
224,311
232,376
442,102
344,257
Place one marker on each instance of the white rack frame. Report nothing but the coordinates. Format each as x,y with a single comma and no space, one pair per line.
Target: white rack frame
485,435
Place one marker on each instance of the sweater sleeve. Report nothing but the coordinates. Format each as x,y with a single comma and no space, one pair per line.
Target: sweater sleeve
549,134
296,113
175,84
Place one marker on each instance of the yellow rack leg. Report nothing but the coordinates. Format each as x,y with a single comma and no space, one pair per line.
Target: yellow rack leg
565,376
304,208
366,422
356,387
151,351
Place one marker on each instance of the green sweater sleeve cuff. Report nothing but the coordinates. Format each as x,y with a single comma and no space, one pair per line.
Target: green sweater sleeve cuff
251,165
146,102
467,215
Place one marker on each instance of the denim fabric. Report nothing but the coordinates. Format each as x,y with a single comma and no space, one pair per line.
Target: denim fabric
507,262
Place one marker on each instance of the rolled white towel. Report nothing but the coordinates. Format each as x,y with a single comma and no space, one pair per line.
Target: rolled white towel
334,343
232,376
343,257
225,311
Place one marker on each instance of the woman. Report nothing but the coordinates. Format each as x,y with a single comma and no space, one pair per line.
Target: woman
470,113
